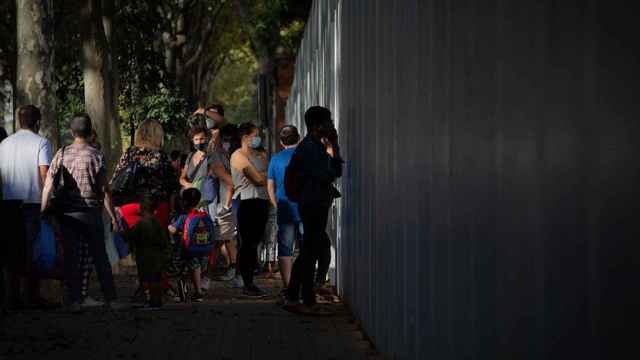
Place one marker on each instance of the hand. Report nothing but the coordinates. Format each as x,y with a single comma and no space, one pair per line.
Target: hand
115,225
328,146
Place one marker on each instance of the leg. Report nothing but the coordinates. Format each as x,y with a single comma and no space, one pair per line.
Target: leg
196,278
286,238
252,219
98,252
31,217
73,231
315,223
324,260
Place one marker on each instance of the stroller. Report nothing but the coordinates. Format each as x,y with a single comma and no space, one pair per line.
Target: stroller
186,250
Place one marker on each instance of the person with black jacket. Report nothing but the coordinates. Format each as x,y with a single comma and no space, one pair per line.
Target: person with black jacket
318,164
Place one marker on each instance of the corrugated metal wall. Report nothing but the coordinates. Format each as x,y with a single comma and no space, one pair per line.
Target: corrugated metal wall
490,194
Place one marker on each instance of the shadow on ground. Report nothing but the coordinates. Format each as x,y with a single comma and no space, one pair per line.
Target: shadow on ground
225,326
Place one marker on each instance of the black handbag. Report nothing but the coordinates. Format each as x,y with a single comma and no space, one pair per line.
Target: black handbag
56,203
123,184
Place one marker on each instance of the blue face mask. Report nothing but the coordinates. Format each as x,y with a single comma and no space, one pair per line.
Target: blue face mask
256,142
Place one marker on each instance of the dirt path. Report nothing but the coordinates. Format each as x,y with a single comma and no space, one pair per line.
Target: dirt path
225,326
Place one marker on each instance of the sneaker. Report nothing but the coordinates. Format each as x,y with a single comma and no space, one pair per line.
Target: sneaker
229,275
237,282
90,302
205,283
254,292
197,297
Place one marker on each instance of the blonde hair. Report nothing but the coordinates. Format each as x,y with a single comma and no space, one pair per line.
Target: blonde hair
149,134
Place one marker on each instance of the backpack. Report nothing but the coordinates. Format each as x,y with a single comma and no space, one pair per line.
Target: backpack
198,234
292,180
208,187
123,184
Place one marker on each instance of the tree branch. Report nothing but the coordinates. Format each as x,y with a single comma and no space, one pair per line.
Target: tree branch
205,38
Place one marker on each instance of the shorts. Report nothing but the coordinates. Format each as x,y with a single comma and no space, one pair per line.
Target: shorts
287,234
197,263
226,227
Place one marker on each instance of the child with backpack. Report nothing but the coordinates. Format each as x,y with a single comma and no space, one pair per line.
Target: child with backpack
150,244
195,237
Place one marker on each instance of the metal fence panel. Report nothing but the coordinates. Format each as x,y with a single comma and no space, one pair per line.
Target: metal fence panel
491,151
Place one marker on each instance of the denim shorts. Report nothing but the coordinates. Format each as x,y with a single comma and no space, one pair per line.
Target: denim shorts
287,234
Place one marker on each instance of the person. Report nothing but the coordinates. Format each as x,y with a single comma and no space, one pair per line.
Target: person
190,199
225,220
78,208
198,163
154,177
317,164
150,244
25,157
288,219
248,171
214,120
175,159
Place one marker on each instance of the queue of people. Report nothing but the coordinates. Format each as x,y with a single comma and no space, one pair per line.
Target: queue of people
178,212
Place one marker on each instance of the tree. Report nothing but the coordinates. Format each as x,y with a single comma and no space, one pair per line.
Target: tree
95,56
113,80
273,27
35,82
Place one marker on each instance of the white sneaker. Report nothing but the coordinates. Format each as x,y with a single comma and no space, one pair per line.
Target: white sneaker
237,282
91,302
205,283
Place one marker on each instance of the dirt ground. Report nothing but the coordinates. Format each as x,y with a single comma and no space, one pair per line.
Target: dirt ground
225,326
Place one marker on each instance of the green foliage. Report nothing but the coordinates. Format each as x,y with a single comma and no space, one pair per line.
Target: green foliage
164,106
235,86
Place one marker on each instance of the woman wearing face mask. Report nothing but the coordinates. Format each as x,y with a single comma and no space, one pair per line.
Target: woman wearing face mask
224,217
249,175
198,162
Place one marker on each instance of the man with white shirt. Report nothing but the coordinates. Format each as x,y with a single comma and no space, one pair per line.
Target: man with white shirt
24,161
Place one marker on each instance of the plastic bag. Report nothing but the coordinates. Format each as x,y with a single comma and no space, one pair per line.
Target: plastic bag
45,248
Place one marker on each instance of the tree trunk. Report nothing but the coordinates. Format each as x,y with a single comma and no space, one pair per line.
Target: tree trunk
97,92
108,20
35,83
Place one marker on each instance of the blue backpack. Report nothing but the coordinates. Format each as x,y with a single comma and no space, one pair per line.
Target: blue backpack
198,234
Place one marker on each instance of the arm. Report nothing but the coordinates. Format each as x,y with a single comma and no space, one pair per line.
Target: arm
46,192
319,164
42,170
243,164
256,177
183,179
221,173
271,188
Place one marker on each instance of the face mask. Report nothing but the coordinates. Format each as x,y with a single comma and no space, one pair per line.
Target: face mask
201,147
256,142
226,146
211,124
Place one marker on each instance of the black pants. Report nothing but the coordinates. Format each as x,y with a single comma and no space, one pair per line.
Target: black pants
314,247
252,220
79,227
